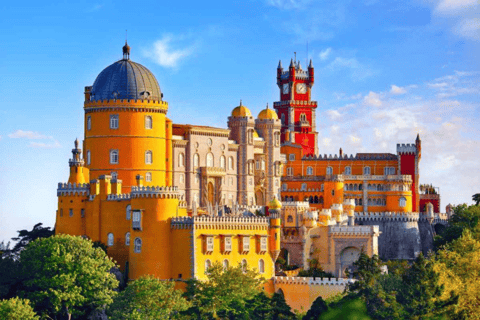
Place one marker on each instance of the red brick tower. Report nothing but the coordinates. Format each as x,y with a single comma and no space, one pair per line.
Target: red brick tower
295,108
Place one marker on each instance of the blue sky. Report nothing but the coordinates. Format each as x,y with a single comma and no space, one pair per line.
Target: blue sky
385,70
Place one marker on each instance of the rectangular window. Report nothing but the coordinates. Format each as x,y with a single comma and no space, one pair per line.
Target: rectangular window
89,123
291,157
137,220
82,213
263,244
114,121
228,244
257,165
209,241
70,212
246,243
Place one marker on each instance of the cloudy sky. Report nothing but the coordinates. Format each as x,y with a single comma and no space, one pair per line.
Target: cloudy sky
385,71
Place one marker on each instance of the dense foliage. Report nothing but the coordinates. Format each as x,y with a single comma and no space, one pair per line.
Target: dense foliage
17,309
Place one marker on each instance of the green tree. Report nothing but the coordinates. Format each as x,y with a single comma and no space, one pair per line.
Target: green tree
17,309
148,298
476,198
464,217
318,307
366,271
65,275
224,294
25,237
259,307
280,309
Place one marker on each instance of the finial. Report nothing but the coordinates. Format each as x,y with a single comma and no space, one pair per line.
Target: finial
311,64
267,105
241,103
76,143
280,64
126,49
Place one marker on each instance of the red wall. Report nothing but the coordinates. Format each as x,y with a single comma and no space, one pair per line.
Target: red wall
436,205
408,167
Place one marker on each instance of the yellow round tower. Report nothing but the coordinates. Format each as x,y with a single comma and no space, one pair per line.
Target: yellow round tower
125,125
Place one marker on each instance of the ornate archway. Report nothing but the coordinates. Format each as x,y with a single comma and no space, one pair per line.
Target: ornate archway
211,193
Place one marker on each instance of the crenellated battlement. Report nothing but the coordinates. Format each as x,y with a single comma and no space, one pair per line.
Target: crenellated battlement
406,148
224,222
388,216
354,230
295,204
309,281
295,102
118,197
73,189
156,192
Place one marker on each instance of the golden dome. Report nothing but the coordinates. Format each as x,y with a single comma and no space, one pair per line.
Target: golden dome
275,204
255,134
268,114
241,111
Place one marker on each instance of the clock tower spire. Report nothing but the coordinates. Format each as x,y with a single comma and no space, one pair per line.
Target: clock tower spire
296,109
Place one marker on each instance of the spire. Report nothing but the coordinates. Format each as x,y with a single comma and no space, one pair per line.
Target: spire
241,103
291,64
311,64
267,105
280,64
418,137
299,66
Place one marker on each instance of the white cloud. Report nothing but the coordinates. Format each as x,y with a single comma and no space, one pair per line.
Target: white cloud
468,28
454,6
372,99
334,114
288,4
397,90
163,54
325,54
54,144
358,71
27,135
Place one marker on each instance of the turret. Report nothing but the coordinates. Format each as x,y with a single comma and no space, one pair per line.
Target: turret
279,72
349,209
78,173
418,144
275,223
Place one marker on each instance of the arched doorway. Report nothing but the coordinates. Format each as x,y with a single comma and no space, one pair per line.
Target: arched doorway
347,258
211,192
259,198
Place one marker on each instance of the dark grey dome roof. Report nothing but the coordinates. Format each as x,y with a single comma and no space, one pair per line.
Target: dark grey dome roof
126,79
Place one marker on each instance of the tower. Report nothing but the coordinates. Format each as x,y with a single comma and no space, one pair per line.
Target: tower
409,156
296,109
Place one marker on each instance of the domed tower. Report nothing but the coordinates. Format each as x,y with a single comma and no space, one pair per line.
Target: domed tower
268,126
242,129
127,132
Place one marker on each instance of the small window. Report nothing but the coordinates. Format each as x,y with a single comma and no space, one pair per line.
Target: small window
61,212
113,156
129,212
88,157
110,239
127,238
89,123
82,213
289,171
148,157
244,265
208,265
137,245
228,244
114,121
246,243
209,159
181,160
291,157
402,202
196,160
366,170
284,187
261,266
230,163
348,171
209,243
136,220
225,264
329,170
263,244
289,219
309,171
70,212
148,122
222,162
148,177
257,165
304,187
182,178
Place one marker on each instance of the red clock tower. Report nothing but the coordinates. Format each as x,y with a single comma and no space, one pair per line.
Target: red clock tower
295,108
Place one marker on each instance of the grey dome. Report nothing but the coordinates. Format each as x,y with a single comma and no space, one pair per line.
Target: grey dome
126,79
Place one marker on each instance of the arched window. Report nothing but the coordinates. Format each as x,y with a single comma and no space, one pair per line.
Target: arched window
284,187
137,245
222,162
208,265
88,157
303,117
355,187
348,170
250,136
209,159
315,200
128,211
89,123
289,171
402,202
70,212
329,170
304,187
148,122
309,171
181,160
261,266
360,202
379,187
244,265
225,264
360,187
114,121
310,199
113,156
320,200
127,238
196,160
257,165
366,170
230,163
356,201
110,239
148,157
148,177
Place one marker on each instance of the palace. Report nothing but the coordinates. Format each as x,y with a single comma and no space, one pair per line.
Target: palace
171,199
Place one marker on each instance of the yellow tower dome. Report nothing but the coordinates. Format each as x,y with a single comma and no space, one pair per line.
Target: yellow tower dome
241,111
268,114
275,204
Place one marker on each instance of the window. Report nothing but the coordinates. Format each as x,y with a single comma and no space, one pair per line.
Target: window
148,122
289,171
209,243
70,212
61,212
303,117
284,187
222,162
88,157
250,136
402,202
196,160
148,157
348,171
261,266
137,219
82,213
263,165
182,178
110,239
321,187
148,177
291,157
277,139
113,156
290,219
127,238
225,264
228,244
329,170
244,265
128,211
137,245
304,187
181,160
89,123
366,170
209,159
246,243
208,264
389,171
197,178
114,175
230,163
257,165
263,244
309,171
114,121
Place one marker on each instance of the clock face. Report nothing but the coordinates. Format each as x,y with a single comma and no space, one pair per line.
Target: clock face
301,88
285,88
